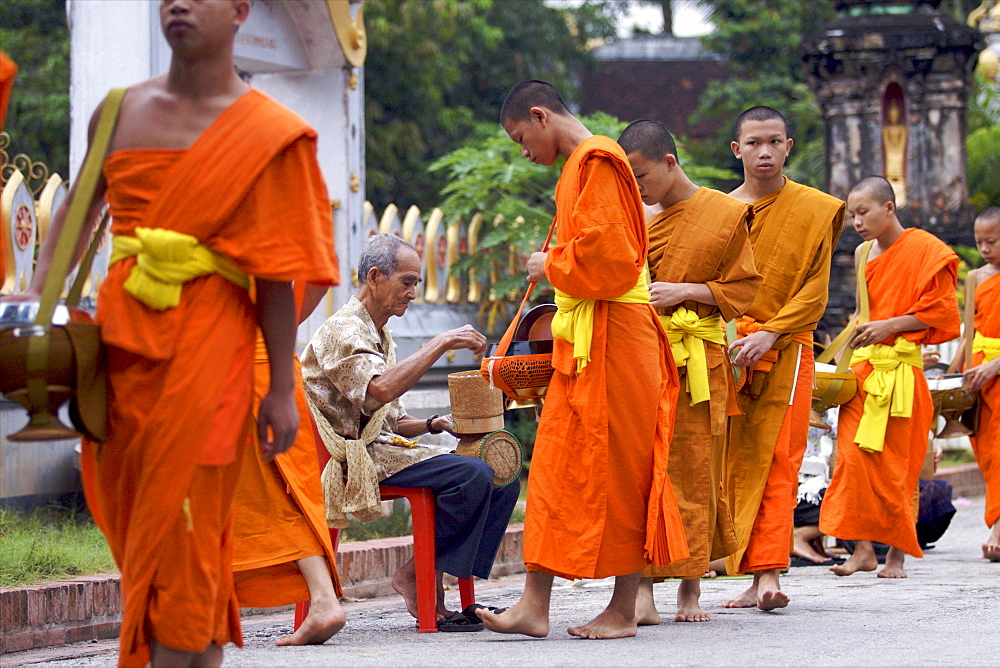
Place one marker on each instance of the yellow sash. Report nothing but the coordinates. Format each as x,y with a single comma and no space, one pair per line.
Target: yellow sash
889,387
686,332
989,346
574,320
165,261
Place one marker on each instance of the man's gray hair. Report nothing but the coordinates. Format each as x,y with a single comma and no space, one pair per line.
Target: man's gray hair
380,251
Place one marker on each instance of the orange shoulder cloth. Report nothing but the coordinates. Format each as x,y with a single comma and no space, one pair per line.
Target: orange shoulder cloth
213,177
697,231
787,237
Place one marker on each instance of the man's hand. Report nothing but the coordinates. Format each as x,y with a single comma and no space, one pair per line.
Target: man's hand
662,295
465,338
872,332
978,376
445,423
752,347
277,423
536,267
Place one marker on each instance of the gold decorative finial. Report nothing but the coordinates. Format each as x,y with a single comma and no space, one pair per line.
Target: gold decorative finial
350,31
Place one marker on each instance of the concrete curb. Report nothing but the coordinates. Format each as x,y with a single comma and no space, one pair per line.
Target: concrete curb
89,607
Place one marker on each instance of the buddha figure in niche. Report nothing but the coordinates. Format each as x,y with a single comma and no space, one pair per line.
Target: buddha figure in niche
894,151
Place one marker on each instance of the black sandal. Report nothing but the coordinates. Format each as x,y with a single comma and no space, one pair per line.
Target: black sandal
460,623
471,610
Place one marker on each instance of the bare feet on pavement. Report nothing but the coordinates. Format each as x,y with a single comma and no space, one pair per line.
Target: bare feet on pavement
520,618
747,599
608,624
765,593
893,564
645,607
325,618
404,582
991,548
688,605
861,560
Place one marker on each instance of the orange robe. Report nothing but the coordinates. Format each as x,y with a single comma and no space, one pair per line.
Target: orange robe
871,494
181,380
705,239
599,498
986,442
794,232
278,513
8,71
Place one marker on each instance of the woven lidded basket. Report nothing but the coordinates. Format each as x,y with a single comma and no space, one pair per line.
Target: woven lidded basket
500,449
476,407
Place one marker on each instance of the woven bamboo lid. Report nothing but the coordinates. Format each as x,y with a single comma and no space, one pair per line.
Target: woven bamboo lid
476,407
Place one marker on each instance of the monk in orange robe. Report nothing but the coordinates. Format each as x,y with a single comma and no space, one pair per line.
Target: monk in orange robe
282,551
599,498
982,374
701,265
794,231
198,161
8,71
882,432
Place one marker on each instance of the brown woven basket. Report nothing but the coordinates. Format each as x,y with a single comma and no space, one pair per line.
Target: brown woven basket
500,449
476,407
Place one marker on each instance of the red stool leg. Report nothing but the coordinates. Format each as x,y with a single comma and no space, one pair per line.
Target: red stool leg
467,589
301,611
422,504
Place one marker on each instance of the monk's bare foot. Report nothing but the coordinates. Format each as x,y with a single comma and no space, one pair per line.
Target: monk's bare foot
769,594
688,605
857,562
747,599
609,624
404,582
991,548
893,564
325,618
805,550
520,618
645,607
772,599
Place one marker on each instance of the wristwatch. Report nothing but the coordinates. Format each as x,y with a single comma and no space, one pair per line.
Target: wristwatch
430,429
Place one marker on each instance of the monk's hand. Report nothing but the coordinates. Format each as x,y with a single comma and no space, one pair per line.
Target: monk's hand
465,338
752,347
868,333
536,267
978,376
277,422
662,295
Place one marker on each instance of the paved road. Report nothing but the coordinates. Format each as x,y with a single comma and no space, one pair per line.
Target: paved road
944,614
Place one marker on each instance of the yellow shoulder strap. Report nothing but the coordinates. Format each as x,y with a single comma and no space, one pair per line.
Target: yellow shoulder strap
62,256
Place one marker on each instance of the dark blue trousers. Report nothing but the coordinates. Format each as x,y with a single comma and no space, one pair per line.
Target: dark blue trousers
471,514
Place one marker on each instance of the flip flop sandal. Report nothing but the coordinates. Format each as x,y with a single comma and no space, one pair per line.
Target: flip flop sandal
460,623
470,611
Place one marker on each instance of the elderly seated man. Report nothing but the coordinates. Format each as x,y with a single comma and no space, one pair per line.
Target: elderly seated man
354,383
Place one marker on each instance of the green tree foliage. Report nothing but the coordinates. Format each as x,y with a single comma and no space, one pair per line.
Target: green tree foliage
762,40
487,174
983,158
436,68
36,35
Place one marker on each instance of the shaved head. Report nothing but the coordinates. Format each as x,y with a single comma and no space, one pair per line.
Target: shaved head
649,139
878,187
528,94
758,113
990,216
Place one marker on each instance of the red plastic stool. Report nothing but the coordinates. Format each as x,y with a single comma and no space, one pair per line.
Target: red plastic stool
422,504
